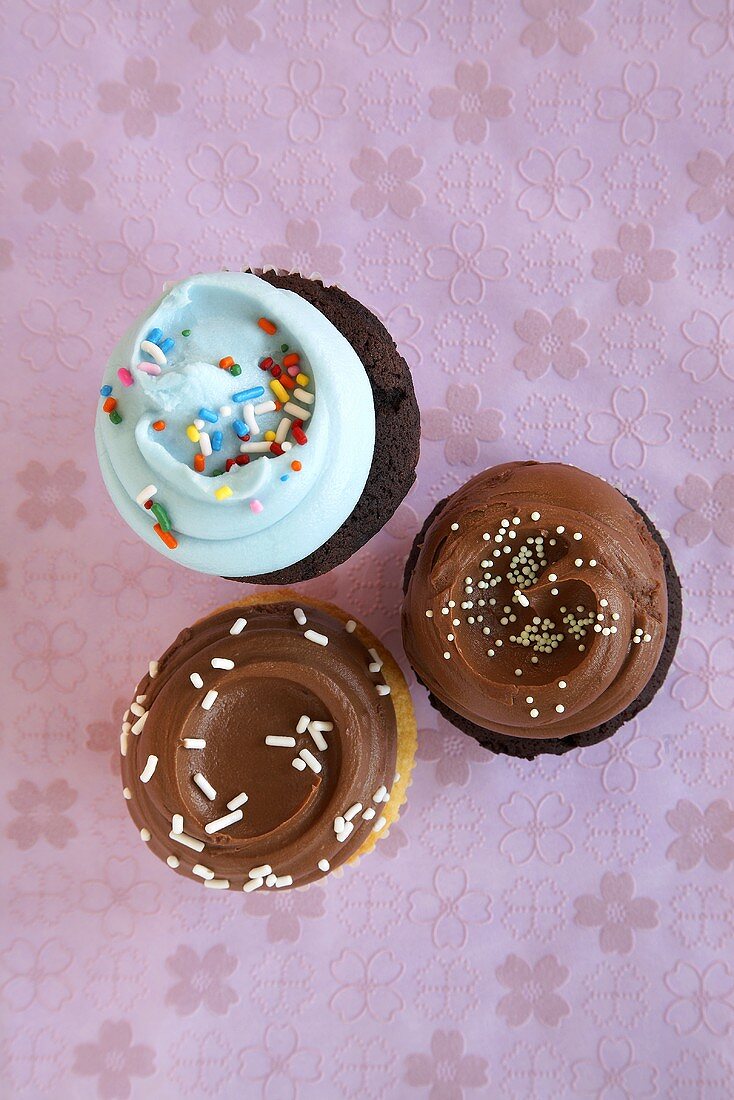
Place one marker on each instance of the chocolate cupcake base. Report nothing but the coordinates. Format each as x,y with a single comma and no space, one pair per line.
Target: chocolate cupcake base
527,748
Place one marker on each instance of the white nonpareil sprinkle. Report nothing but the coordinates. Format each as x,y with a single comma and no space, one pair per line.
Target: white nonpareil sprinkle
578,536
324,865
253,884
369,813
238,626
560,708
222,662
202,871
194,743
379,824
188,841
196,680
223,822
209,699
283,880
261,872
302,723
382,689
351,626
454,527
177,824
308,758
522,600
300,616
578,562
217,883
535,516
152,669
145,835
137,728
562,684
173,861
205,786
127,793
145,494
314,636
237,801
280,742
149,769
534,713
429,614
225,410
318,738
298,764
352,811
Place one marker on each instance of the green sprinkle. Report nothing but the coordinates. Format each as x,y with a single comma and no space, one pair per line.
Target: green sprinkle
235,369
284,347
115,417
161,515
186,332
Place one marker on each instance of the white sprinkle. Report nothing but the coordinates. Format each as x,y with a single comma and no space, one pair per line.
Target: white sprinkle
253,884
592,562
308,758
314,636
560,529
454,527
298,764
152,669
304,395
429,614
350,626
529,699
300,616
447,656
217,883
302,724
136,708
254,448
145,835
562,684
225,410
345,833
552,577
205,444
237,801
604,603
534,713
188,841
138,727
202,871
260,872
615,616
379,824
296,411
352,811
535,515
518,672
324,865
325,727
376,659
369,813
177,824
647,637
339,824
123,743
270,880
578,562
149,769
283,429
194,743
522,600
382,689
196,680
223,822
560,708
238,626
199,423
154,352
204,785
208,701
173,861
265,407
127,793
379,795
145,494
248,411
283,880
318,737
554,591
280,742
222,662
578,536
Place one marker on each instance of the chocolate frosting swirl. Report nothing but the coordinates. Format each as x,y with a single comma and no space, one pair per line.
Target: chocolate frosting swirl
279,675
537,606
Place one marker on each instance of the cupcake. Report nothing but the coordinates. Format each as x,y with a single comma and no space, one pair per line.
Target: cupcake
257,426
271,743
542,608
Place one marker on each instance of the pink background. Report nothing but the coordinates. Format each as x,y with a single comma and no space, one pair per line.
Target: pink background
545,930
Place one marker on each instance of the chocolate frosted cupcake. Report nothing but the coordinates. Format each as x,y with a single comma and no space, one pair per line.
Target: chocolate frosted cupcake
271,743
542,608
261,426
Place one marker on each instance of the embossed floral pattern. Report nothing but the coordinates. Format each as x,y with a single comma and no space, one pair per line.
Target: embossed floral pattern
42,814
635,265
304,251
35,976
139,97
710,509
462,424
365,985
120,897
50,494
702,998
453,754
536,829
557,22
614,1072
305,101
286,910
467,263
219,21
714,30
386,182
391,23
702,835
49,20
622,758
49,656
450,908
471,102
555,184
281,1063
223,180
201,980
550,343
533,991
629,427
712,345
640,104
114,1059
447,1071
58,176
715,179
618,914
138,258
707,673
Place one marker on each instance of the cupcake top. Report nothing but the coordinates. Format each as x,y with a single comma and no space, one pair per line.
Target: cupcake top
236,426
537,606
259,750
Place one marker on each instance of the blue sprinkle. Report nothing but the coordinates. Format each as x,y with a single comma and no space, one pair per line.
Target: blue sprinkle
155,335
208,414
248,395
167,345
216,441
106,391
240,427
284,477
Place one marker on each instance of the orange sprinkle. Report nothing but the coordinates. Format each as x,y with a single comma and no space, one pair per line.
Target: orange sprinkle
165,536
110,404
267,326
158,425
287,382
199,463
296,466
291,359
227,362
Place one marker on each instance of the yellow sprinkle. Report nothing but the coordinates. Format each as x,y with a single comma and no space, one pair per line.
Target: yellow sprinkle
279,391
270,436
223,493
193,433
302,379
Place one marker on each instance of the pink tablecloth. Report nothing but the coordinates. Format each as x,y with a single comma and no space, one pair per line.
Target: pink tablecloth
471,170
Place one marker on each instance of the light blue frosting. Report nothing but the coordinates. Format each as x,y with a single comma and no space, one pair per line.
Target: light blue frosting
225,537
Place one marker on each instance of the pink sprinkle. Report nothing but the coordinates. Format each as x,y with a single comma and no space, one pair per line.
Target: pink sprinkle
256,506
293,371
149,368
125,377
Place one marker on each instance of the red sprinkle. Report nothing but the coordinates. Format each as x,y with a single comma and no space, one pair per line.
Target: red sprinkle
291,359
276,449
199,463
265,364
148,504
110,404
299,435
287,382
158,425
229,464
276,371
242,460
267,326
227,362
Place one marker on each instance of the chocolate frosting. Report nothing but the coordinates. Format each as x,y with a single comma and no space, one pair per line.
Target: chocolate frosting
279,675
537,607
